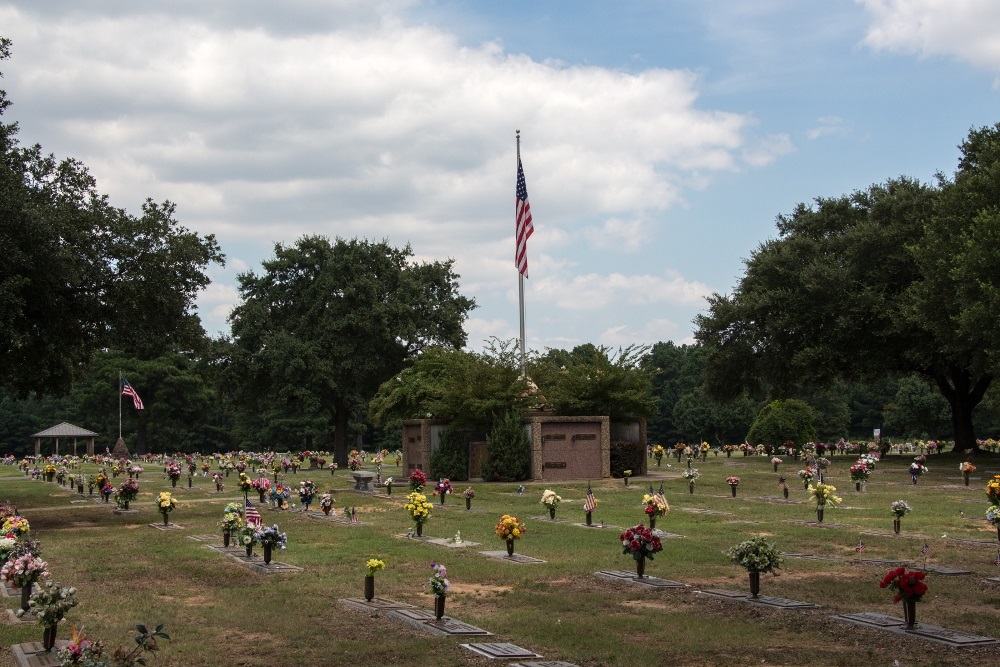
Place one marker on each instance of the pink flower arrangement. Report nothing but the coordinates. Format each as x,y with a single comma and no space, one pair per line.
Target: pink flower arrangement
732,481
24,570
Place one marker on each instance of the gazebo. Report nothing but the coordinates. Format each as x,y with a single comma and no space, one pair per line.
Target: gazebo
64,431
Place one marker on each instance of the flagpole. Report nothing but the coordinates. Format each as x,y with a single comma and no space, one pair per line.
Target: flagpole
520,280
119,404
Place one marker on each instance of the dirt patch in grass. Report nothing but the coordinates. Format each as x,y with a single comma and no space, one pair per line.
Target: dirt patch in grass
479,589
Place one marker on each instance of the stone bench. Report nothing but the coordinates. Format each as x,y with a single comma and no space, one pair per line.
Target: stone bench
363,481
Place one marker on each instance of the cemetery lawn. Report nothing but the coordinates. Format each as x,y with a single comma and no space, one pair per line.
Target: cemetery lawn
219,612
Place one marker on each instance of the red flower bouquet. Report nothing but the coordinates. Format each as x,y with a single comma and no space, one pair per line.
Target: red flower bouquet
907,585
640,542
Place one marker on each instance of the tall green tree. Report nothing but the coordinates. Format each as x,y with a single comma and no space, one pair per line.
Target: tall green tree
895,279
677,372
79,275
331,321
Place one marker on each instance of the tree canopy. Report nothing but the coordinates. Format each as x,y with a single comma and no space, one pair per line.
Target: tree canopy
330,322
896,279
80,275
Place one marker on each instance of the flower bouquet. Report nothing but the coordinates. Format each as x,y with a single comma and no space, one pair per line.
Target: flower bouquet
24,570
733,482
307,490
439,587
509,528
354,463
468,494
917,468
909,587
419,509
247,538
173,472
270,538
126,493
15,526
898,509
756,555
373,565
107,490
775,461
655,505
443,488
262,485
806,476
823,494
245,483
166,504
966,468
551,500
232,521
625,475
640,543
326,503
691,474
658,452
279,496
418,480
860,472
388,485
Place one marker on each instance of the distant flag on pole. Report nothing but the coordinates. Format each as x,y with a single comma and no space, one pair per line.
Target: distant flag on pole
997,560
127,390
590,504
354,515
252,515
925,549
522,223
861,547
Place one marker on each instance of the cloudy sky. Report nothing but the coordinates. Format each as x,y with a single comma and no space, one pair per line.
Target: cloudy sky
659,139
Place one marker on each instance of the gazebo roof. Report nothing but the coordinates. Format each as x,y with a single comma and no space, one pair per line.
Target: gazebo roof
64,430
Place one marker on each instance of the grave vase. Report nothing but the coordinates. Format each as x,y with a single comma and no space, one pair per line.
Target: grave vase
267,554
652,521
468,503
691,487
552,512
190,481
733,487
225,538
79,488
510,546
626,480
857,486
785,491
388,492
819,514
49,637
420,529
910,612
442,497
125,503
775,467
895,526
249,550
438,606
754,583
590,524
965,478
173,481
640,567
25,595
261,496
326,510
369,587
166,519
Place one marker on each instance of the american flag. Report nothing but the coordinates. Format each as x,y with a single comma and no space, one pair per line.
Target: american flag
127,390
522,223
997,561
925,549
590,504
861,547
354,516
252,516
659,497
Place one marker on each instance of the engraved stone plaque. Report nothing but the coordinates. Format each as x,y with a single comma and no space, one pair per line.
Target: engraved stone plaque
501,650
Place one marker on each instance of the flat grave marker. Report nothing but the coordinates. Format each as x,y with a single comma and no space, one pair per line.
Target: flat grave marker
451,543
923,630
632,578
516,558
170,526
33,654
545,519
423,619
765,600
375,604
942,570
501,651
544,663
696,510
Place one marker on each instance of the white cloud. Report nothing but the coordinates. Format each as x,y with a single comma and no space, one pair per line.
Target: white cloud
593,291
651,332
767,150
618,235
826,126
966,29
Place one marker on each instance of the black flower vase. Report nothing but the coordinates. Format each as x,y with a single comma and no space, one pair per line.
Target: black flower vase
267,554
26,595
369,587
510,547
225,538
438,606
49,637
640,567
468,503
819,514
249,550
590,524
895,526
652,521
785,491
910,612
420,529
754,583
733,487
552,512
442,499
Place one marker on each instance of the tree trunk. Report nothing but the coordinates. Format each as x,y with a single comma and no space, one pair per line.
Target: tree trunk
340,417
963,395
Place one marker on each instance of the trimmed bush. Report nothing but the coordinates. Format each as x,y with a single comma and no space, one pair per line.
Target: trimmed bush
451,458
508,452
627,455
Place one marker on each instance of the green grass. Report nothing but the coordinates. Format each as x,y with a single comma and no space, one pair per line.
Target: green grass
218,612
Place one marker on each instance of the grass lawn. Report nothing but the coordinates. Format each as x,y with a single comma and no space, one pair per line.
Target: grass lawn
218,612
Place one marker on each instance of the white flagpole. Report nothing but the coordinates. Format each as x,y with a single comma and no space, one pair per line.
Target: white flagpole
119,404
520,277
